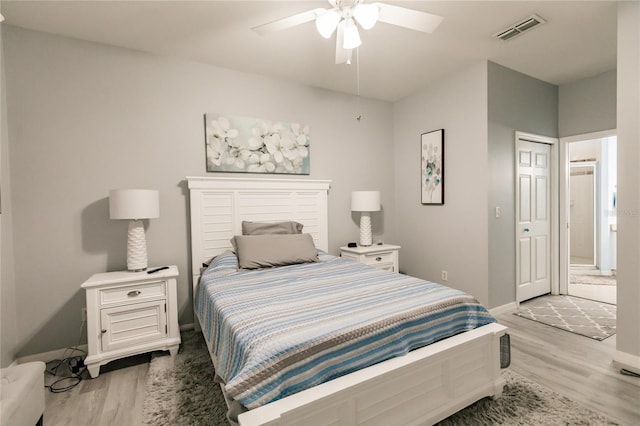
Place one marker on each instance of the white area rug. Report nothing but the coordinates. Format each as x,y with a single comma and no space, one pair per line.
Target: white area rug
181,391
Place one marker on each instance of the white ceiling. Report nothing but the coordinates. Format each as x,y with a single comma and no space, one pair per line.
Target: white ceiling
578,40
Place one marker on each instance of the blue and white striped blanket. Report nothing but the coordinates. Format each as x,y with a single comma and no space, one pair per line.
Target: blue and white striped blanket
274,332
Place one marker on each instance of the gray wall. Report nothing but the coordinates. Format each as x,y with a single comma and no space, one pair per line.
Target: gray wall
517,102
628,126
451,237
8,331
481,108
84,118
588,105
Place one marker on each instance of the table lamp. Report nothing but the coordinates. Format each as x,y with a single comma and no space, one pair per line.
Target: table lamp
365,202
135,205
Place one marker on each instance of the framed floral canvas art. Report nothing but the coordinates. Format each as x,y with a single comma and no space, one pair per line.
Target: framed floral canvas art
254,145
432,144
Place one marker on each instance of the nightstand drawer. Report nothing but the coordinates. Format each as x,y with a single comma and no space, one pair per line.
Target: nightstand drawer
381,256
377,258
387,267
133,293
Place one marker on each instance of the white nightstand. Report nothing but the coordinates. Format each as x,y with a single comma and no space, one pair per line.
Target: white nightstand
129,313
384,256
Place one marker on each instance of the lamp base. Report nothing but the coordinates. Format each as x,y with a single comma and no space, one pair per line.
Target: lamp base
136,247
366,238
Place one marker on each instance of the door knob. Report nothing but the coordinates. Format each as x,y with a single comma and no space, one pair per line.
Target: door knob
526,229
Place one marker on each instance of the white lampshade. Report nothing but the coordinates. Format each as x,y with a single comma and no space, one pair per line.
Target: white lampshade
365,201
366,15
351,35
134,204
327,23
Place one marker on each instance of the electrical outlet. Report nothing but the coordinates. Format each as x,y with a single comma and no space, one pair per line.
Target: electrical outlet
445,275
84,314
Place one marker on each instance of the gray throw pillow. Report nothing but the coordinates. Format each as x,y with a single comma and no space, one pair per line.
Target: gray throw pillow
262,228
265,251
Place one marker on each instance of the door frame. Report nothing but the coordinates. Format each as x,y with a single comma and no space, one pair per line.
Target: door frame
564,199
554,210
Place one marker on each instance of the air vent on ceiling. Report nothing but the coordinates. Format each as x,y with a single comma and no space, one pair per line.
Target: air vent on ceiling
519,27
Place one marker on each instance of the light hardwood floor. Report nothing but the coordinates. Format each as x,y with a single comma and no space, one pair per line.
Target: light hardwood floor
574,366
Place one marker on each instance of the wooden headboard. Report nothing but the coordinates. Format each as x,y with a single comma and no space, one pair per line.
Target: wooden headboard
220,204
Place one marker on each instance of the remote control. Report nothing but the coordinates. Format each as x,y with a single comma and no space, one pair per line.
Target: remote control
151,271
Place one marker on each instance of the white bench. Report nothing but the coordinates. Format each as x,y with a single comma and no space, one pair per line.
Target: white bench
22,394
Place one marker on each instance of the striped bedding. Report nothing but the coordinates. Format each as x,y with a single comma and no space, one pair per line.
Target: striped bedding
274,332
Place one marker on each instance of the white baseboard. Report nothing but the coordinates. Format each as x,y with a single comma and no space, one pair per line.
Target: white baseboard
51,355
627,361
511,306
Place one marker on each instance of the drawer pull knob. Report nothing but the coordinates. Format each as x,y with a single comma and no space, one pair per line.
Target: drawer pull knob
134,293
378,259
103,331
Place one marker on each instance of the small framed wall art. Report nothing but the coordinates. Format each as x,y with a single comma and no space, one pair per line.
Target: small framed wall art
432,174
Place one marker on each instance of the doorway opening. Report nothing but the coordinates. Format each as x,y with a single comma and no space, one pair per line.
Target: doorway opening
591,197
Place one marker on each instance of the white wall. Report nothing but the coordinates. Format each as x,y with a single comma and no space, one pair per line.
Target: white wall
8,324
84,118
586,150
628,126
587,105
451,237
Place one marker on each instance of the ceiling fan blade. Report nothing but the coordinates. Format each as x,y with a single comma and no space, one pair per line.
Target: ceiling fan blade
342,55
290,21
408,18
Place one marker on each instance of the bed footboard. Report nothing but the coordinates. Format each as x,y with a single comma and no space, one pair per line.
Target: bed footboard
422,387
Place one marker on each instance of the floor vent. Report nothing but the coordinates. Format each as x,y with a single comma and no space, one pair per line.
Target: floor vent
519,27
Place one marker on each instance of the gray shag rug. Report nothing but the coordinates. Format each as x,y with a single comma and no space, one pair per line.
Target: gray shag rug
181,391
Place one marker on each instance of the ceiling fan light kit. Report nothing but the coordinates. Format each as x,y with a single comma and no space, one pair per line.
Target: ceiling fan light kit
346,15
343,19
351,35
327,23
366,15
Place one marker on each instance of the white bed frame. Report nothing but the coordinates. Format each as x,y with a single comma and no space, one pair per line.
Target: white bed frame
422,387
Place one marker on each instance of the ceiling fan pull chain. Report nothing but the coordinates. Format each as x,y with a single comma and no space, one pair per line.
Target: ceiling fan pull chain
359,116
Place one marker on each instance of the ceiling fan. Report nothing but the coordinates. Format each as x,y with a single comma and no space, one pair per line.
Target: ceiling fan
346,15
